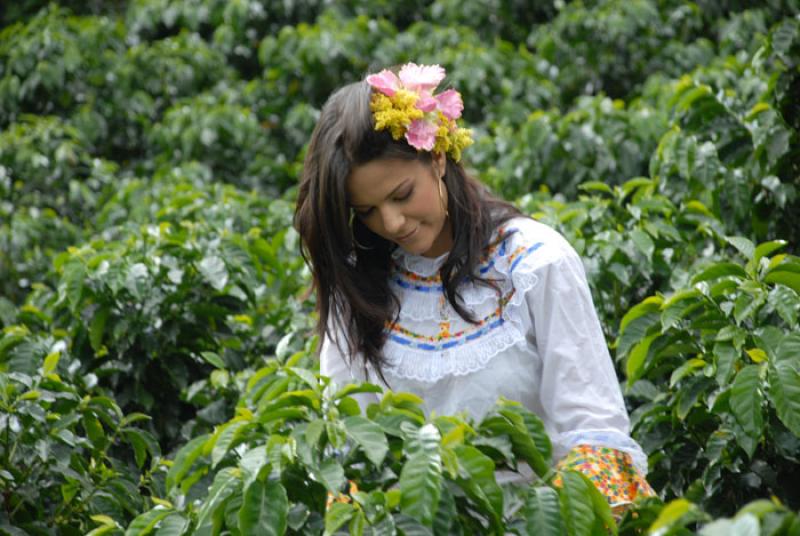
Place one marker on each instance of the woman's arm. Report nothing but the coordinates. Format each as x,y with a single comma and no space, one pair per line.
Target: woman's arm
579,389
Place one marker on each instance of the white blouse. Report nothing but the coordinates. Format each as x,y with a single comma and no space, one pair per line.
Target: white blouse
544,347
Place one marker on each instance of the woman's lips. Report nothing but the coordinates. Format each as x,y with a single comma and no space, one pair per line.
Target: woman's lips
409,235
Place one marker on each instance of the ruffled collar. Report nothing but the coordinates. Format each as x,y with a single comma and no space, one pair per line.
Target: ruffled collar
418,264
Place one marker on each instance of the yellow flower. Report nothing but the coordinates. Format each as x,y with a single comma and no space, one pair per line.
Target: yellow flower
461,138
442,139
396,112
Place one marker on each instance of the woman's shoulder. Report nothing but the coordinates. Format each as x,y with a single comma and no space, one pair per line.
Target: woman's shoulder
523,240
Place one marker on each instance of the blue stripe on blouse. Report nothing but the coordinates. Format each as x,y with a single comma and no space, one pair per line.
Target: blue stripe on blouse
399,339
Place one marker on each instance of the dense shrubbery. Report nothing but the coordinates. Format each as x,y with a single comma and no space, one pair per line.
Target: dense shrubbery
156,370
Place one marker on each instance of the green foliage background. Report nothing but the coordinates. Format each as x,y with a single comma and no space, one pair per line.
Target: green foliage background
156,370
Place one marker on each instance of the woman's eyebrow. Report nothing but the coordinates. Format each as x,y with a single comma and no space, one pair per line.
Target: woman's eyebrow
389,195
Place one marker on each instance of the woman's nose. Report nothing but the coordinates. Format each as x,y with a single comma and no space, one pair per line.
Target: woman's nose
393,220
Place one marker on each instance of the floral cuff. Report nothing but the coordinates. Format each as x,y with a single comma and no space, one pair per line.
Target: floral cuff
612,472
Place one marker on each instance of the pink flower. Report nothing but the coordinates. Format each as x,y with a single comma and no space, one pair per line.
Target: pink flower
385,81
421,134
421,77
450,104
426,103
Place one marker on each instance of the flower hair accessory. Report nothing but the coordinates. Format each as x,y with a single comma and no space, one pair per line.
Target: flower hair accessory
404,104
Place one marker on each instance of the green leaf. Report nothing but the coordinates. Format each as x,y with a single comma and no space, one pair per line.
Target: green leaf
348,407
337,515
786,303
720,269
686,153
94,429
746,401
643,243
760,508
97,328
596,186
354,389
213,270
184,460
420,485
358,523
784,379
789,348
369,436
50,363
688,396
103,519
446,513
331,474
723,287
265,507
577,509
523,444
684,370
604,518
698,207
528,423
742,525
639,310
306,375
480,482
408,526
384,526
136,280
74,275
251,464
785,277
501,444
636,330
99,531
744,245
131,418
542,512
706,164
228,436
783,36
671,514
214,359
747,305
314,431
767,248
142,443
172,525
337,435
209,516
145,523
634,367
635,183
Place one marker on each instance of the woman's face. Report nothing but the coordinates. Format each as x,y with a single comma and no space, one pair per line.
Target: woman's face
399,200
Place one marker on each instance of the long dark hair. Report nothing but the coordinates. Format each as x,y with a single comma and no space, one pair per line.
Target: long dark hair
351,265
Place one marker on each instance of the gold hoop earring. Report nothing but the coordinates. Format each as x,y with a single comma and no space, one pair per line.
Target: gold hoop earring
353,232
442,198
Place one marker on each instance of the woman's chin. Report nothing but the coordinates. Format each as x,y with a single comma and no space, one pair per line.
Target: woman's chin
414,248
411,250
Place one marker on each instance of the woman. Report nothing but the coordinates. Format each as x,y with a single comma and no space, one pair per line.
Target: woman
427,284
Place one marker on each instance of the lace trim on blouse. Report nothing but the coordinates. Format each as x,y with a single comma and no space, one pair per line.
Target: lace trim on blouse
465,348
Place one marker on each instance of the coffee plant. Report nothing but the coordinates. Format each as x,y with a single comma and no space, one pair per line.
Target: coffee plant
157,364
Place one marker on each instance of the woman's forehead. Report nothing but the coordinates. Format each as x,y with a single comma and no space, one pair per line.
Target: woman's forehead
375,180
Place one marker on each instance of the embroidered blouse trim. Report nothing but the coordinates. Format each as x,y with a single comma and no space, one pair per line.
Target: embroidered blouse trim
427,357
